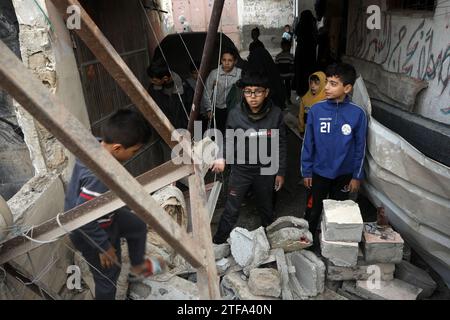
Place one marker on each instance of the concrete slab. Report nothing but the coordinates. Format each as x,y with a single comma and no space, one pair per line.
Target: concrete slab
310,272
344,254
382,245
287,222
417,277
290,239
387,290
249,249
265,282
343,221
234,283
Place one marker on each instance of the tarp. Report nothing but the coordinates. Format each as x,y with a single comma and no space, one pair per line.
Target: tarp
413,189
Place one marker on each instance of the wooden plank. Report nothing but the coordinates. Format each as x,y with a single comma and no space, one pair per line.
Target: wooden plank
49,111
207,278
212,199
89,211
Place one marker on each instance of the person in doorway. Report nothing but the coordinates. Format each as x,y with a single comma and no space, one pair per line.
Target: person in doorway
255,122
123,135
333,151
306,51
285,63
256,43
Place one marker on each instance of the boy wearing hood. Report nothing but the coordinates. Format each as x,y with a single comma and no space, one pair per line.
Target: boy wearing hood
315,94
334,145
255,146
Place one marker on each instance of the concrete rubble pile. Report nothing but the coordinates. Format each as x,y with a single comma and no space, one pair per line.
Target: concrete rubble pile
361,258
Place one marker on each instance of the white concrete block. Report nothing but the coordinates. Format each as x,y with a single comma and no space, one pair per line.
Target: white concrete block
343,221
344,254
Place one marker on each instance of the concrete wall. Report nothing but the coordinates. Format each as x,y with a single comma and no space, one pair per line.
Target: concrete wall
15,163
416,44
270,16
46,49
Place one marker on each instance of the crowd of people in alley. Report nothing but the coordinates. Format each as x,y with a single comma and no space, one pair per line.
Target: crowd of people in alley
251,96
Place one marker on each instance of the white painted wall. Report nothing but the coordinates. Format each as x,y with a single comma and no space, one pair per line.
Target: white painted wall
416,44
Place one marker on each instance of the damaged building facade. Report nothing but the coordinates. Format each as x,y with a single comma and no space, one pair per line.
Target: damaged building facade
34,166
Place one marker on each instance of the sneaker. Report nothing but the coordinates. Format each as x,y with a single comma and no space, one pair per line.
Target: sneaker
153,266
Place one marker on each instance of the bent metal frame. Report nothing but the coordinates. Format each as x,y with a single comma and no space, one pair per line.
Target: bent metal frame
195,247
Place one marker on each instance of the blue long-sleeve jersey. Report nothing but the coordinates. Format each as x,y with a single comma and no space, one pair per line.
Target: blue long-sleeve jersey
335,140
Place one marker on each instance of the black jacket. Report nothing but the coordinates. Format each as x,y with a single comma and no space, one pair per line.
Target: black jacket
258,130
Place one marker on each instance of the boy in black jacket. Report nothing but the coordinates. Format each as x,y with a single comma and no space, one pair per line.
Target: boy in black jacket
256,149
123,134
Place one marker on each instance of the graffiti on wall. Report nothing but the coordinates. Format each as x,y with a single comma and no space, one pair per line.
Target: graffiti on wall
411,50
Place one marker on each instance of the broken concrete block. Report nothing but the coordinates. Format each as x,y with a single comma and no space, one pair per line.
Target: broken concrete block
155,288
343,221
360,272
417,277
387,290
239,289
287,222
222,265
290,239
221,250
382,244
344,254
265,282
310,272
249,249
329,295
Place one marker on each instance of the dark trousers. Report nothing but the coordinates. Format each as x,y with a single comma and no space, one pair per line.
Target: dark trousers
241,179
125,225
323,188
221,119
288,87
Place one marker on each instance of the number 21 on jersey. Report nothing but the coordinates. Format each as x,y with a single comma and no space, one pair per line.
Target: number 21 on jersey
324,127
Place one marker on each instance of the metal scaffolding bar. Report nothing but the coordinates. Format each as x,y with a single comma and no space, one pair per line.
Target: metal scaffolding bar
206,57
108,202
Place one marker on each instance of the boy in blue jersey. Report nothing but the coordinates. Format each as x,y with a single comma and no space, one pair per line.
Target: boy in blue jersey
334,144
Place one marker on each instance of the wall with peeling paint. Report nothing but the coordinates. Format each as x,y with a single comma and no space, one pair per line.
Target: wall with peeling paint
416,44
270,16
47,50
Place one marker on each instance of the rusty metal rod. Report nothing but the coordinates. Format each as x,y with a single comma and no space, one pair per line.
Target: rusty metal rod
206,58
